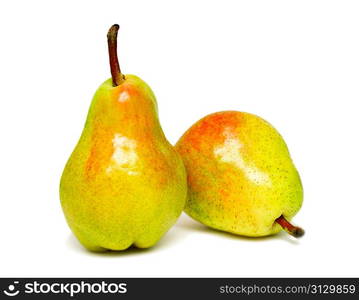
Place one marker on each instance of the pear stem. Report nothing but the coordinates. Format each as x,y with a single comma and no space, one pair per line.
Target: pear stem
117,76
295,231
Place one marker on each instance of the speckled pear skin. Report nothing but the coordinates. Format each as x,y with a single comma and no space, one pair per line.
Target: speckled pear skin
241,177
124,184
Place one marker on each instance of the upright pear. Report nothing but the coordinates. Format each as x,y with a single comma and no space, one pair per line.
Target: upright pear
124,183
241,178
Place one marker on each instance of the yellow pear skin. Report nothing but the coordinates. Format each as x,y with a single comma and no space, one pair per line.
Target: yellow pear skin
241,178
124,184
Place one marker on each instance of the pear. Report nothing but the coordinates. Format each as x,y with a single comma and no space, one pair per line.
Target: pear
124,184
241,178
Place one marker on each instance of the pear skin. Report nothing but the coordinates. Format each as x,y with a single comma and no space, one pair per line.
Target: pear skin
241,178
124,183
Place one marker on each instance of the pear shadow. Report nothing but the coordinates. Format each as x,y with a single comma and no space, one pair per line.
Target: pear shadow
75,245
192,225
168,239
287,238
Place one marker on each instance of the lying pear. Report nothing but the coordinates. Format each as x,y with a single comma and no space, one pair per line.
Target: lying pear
124,184
241,178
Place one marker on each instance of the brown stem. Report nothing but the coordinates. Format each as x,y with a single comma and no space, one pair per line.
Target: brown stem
117,76
291,229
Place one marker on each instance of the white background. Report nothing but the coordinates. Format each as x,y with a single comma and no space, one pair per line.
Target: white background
294,63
